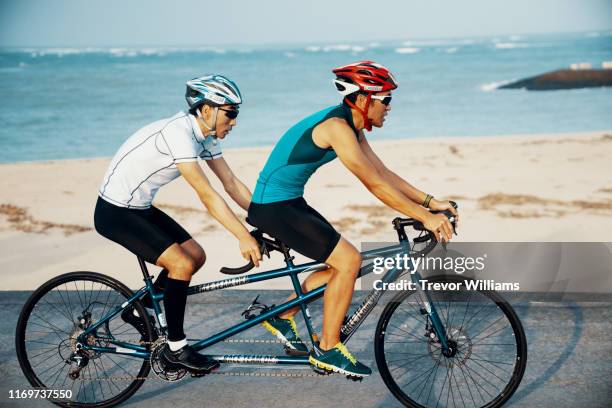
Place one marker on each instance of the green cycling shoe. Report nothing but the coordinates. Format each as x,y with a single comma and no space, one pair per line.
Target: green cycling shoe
286,331
339,360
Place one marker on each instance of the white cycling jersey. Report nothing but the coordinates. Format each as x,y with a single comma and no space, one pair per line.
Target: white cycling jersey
147,160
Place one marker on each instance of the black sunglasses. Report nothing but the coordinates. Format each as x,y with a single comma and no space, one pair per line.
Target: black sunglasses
230,113
384,99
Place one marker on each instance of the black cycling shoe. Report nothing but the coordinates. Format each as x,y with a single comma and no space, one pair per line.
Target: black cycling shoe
189,359
138,322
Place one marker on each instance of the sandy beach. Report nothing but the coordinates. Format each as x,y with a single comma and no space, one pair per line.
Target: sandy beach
509,188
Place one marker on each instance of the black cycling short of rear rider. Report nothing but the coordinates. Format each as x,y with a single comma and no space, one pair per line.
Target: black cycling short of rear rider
144,232
297,225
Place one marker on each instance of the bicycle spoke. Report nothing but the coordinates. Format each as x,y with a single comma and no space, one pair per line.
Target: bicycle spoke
69,318
420,375
432,384
99,377
442,390
468,385
50,367
487,327
60,371
106,303
79,295
458,388
495,332
493,373
68,309
484,378
409,361
423,381
408,333
111,381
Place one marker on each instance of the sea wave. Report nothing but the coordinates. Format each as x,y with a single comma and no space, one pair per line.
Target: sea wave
491,86
336,48
119,52
510,45
441,43
407,50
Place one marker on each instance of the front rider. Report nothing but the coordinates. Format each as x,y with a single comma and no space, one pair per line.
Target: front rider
279,209
148,160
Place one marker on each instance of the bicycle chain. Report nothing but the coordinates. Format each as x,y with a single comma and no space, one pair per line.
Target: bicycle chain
226,374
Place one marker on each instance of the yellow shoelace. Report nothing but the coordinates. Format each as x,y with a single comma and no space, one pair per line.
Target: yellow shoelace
345,352
293,326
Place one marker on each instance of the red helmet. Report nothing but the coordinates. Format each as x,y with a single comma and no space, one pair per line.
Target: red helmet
364,76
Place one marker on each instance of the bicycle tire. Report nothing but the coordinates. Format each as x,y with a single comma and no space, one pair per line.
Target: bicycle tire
26,314
508,312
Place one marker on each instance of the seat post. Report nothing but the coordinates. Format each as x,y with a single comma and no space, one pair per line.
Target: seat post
143,268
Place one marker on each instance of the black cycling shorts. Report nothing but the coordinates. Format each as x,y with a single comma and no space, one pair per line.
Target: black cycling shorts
297,225
146,233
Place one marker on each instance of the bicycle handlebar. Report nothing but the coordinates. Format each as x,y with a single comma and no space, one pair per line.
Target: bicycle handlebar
266,245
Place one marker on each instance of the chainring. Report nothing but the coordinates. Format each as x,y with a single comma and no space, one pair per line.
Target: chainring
160,368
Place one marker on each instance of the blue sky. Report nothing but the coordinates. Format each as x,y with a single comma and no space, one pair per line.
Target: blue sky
165,23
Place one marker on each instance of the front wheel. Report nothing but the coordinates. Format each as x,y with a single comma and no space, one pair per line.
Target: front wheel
489,356
47,348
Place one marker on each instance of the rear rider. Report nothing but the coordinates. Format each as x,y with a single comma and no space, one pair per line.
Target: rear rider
148,160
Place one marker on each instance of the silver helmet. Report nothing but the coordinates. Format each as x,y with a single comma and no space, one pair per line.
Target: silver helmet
217,89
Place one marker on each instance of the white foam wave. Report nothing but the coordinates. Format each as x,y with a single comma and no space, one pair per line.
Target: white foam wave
407,50
121,52
493,85
60,52
428,43
451,50
336,48
510,45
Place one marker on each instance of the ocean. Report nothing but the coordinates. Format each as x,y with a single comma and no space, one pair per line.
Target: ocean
62,103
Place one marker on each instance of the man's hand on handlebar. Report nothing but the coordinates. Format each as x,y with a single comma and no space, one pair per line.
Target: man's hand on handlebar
440,226
249,248
437,205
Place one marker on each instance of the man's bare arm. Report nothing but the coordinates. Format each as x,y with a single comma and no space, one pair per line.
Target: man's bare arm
218,208
232,185
402,185
342,139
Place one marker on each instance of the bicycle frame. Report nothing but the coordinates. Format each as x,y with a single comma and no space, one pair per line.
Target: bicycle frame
302,299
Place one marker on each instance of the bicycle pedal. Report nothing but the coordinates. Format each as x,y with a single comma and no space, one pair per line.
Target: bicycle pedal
292,352
198,374
321,371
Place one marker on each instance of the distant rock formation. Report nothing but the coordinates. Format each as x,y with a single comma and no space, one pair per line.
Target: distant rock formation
564,79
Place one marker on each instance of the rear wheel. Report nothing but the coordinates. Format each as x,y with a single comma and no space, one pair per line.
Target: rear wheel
46,341
484,370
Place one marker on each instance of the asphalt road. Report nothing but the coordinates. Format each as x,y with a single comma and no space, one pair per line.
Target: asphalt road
569,363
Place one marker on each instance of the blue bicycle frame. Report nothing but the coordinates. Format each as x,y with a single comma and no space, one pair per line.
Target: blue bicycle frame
302,299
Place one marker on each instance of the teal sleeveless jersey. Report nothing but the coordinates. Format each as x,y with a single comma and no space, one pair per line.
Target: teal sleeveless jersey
295,158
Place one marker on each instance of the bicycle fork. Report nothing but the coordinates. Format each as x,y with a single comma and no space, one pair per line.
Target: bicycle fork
435,327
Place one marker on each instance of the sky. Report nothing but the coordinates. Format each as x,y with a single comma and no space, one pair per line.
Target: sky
84,23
